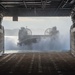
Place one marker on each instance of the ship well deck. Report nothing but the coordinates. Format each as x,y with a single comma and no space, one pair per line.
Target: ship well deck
41,63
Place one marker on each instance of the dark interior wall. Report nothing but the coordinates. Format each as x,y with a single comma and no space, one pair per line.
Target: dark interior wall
72,32
1,36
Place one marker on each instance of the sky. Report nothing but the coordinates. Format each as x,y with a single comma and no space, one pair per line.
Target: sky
38,25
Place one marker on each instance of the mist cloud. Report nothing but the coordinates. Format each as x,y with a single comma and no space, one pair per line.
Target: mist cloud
45,44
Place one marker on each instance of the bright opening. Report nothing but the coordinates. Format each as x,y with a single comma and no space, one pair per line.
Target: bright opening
39,38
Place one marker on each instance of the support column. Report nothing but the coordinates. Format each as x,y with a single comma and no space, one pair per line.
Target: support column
72,33
1,36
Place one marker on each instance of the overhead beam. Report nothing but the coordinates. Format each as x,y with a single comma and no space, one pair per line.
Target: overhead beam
73,1
65,3
2,6
25,4
21,2
58,6
44,2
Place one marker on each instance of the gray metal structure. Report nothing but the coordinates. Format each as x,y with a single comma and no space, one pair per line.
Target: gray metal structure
36,7
1,36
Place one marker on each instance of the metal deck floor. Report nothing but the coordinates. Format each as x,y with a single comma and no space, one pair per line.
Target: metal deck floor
53,63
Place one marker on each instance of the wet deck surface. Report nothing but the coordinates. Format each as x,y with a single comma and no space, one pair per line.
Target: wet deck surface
37,63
